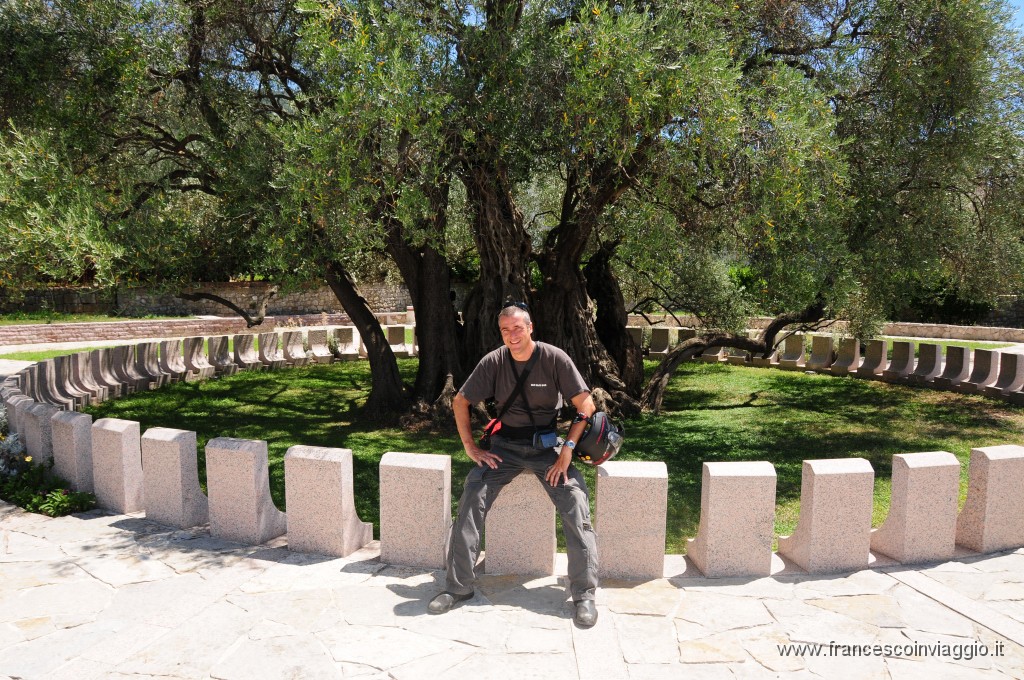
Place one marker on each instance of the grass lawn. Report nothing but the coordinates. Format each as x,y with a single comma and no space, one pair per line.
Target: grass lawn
713,412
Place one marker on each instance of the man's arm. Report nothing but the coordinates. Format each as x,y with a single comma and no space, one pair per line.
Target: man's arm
558,472
460,406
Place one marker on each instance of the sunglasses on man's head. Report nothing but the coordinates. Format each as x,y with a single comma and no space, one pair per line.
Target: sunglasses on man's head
519,305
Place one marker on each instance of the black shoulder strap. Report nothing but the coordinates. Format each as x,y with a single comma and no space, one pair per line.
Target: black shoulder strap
520,381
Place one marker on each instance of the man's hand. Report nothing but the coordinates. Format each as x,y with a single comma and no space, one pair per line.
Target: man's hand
559,472
481,457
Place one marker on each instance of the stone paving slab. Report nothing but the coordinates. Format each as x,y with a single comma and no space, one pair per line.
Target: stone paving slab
99,595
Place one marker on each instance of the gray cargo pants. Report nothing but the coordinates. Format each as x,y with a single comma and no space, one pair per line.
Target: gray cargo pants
482,487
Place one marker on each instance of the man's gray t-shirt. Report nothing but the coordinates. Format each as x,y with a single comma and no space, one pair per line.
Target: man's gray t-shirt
552,377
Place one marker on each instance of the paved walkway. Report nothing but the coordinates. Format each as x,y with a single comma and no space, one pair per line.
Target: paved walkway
115,596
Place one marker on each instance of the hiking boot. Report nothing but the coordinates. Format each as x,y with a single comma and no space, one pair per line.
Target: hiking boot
586,614
445,601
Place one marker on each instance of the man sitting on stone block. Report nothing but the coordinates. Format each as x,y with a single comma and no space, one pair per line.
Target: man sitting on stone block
518,446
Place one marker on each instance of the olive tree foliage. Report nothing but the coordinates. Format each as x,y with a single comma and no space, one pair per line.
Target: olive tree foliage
802,158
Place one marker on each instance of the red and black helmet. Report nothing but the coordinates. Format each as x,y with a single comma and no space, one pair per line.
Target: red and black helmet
600,441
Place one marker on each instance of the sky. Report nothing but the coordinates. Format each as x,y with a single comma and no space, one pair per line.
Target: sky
1018,7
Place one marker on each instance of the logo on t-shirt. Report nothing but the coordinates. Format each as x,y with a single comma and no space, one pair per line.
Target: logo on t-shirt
538,384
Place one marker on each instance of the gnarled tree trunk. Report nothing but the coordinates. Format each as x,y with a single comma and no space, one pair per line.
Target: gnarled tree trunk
387,394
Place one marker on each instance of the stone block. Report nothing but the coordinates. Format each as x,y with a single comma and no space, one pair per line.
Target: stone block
520,529
58,385
821,353
396,338
246,357
322,515
172,362
902,364
238,483
147,363
220,357
270,353
1011,376
929,363
171,487
117,465
921,525
38,431
318,348
833,533
124,369
67,383
15,406
876,359
848,359
956,370
46,385
72,448
737,520
84,376
792,358
292,348
737,357
347,342
415,508
194,356
992,518
100,361
712,355
662,340
631,511
984,372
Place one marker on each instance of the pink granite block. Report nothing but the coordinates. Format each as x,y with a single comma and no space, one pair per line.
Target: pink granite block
713,355
194,356
1011,376
318,349
792,358
38,431
848,360
821,353
347,343
322,515
737,520
631,510
662,340
902,364
921,526
396,338
833,533
415,508
220,357
929,363
72,448
984,372
992,518
245,352
16,407
117,465
238,483
293,349
520,529
876,359
270,352
956,370
172,492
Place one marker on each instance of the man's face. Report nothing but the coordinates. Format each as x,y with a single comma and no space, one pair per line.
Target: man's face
515,331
